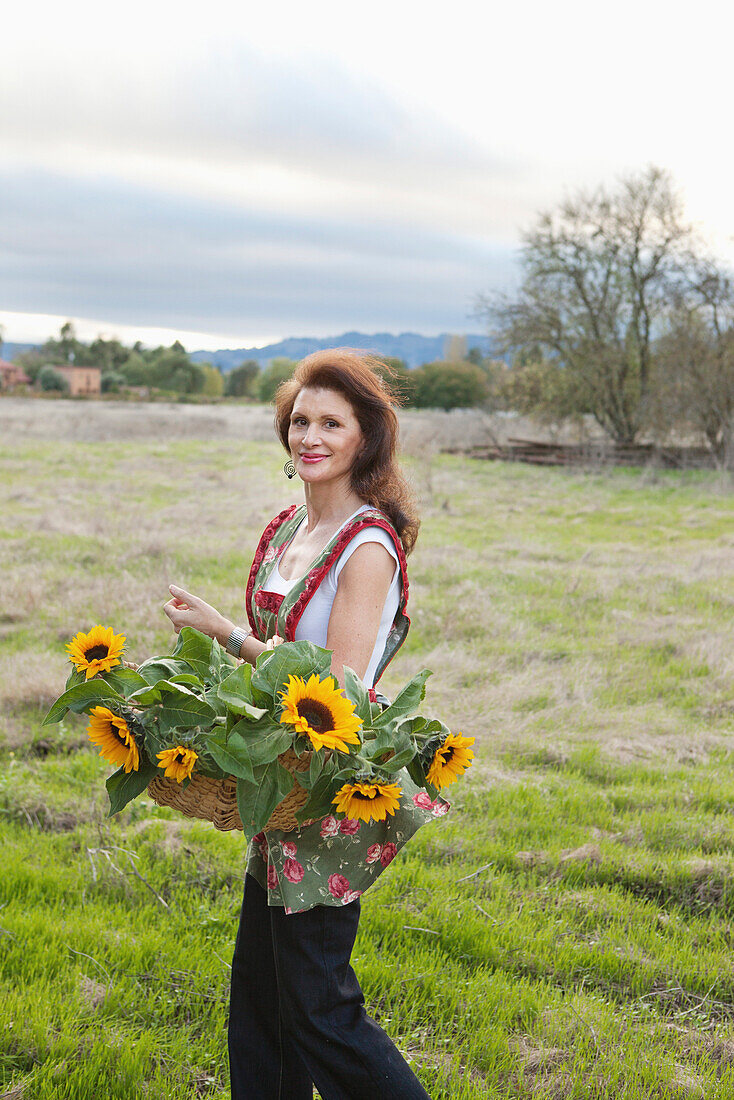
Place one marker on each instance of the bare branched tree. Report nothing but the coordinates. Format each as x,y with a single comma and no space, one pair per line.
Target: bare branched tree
694,384
598,276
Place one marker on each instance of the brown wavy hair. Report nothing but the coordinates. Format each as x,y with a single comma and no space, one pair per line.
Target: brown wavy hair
361,378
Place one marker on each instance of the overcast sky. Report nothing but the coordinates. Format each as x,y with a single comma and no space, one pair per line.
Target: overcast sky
241,176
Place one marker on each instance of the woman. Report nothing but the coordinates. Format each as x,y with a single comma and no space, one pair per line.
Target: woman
332,571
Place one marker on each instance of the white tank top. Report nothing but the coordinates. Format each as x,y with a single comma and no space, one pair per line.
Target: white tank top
314,622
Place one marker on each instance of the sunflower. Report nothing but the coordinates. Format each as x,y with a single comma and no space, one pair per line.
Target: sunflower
112,734
178,762
453,756
319,709
369,801
97,651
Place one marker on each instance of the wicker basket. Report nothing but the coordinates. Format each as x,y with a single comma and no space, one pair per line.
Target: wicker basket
215,800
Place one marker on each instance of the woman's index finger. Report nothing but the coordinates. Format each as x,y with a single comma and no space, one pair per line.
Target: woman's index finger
181,593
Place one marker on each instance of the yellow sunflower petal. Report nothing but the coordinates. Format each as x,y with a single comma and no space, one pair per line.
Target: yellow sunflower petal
368,801
178,762
112,736
320,709
451,759
97,651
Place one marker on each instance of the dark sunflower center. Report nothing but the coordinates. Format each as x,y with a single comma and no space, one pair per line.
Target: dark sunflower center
180,757
118,734
317,714
448,755
365,797
97,652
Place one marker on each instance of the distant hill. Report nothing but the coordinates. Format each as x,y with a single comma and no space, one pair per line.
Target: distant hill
9,350
410,346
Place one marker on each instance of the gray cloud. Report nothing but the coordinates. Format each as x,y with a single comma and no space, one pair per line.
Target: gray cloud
99,245
103,248
239,107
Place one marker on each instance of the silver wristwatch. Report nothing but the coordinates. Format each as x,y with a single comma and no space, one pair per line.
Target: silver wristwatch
235,640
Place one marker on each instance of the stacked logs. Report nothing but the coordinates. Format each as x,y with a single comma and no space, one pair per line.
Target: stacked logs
598,453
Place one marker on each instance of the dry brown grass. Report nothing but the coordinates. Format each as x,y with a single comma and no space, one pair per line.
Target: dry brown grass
525,622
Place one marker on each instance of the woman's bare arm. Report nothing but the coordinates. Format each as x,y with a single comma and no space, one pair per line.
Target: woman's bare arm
357,609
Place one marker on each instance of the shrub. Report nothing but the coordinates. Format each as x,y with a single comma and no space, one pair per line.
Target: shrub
449,385
112,381
50,380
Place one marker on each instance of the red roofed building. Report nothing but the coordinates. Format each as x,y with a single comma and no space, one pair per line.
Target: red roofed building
11,376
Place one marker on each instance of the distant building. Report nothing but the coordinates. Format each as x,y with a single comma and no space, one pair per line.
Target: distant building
11,376
82,380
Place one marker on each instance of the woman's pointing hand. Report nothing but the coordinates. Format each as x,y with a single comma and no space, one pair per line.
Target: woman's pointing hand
185,609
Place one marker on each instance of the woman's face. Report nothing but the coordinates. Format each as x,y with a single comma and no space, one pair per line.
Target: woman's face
324,435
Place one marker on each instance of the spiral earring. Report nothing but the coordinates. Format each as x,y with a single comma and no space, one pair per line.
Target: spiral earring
290,469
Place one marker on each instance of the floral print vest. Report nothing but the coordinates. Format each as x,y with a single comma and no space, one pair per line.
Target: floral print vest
273,613
330,862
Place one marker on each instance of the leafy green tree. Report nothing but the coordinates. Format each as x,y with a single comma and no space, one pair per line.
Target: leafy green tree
31,362
136,371
51,381
443,385
278,370
241,381
213,380
109,355
171,369
66,348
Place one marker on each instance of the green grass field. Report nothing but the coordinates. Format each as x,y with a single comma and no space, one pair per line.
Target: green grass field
566,931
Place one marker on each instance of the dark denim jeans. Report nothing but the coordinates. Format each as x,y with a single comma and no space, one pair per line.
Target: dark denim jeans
297,1012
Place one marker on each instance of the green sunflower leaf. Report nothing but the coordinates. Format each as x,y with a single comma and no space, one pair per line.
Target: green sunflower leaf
416,773
146,696
256,801
154,743
423,729
196,649
189,679
232,756
357,693
316,767
220,664
405,702
82,697
171,690
124,680
122,788
320,800
300,658
240,697
182,709
207,765
75,677
396,742
162,668
263,739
